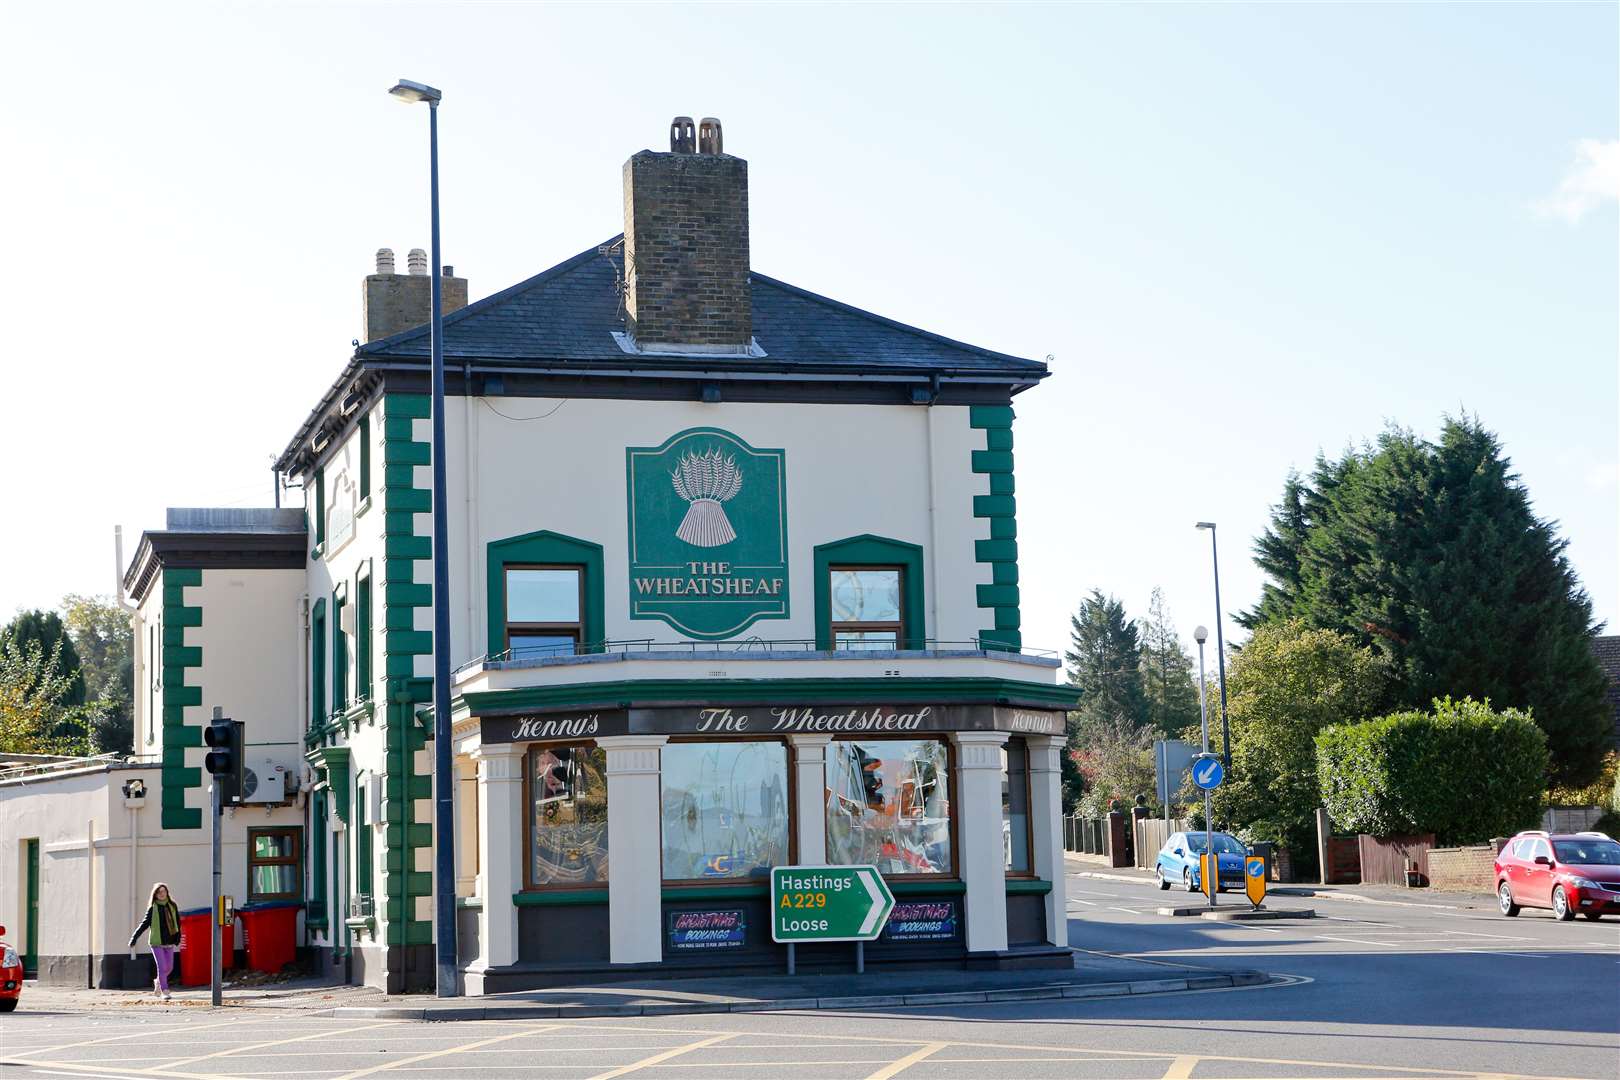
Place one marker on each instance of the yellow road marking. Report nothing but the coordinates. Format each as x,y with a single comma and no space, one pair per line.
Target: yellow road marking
431,1054
658,1059
1180,1069
897,1067
260,1046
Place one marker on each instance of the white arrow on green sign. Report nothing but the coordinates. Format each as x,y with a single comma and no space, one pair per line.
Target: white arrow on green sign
828,903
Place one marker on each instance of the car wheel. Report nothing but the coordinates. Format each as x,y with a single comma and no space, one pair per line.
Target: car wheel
1158,876
1561,910
1187,881
1504,900
1593,915
10,1004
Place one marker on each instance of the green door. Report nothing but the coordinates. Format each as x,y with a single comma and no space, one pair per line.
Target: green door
31,935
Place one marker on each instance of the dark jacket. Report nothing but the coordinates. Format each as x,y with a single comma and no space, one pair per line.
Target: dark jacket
162,932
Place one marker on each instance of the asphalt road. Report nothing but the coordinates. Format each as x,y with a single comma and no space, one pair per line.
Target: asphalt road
1375,991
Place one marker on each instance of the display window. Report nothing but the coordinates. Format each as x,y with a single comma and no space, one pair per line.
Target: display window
568,816
889,805
1015,835
724,809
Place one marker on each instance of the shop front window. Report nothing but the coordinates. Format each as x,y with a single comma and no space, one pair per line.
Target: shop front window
724,809
865,611
542,611
568,833
889,805
1015,806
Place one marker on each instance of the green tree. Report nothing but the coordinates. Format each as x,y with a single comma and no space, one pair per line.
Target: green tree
1284,686
1431,554
33,695
1105,663
1169,693
1116,763
101,634
45,629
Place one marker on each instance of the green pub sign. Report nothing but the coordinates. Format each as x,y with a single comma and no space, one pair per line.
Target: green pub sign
708,533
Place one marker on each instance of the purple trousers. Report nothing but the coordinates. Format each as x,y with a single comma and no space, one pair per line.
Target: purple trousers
163,955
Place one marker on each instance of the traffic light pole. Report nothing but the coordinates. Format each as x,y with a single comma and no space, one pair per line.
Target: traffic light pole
224,739
215,991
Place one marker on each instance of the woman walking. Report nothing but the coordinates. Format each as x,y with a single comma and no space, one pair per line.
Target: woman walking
163,922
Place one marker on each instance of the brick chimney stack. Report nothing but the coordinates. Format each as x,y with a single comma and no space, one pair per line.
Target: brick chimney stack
686,243
395,302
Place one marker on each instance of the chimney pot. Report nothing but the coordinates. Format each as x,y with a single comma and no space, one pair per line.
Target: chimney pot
680,136
417,261
395,302
709,141
385,260
449,271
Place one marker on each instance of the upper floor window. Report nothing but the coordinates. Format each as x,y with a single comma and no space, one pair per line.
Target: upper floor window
543,606
866,608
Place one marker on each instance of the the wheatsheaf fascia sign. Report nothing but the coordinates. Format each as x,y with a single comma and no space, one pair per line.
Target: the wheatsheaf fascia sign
708,533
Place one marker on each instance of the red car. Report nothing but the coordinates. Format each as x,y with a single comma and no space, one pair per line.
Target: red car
11,975
1576,873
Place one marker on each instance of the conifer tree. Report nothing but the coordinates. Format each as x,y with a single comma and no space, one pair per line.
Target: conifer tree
1171,698
1431,554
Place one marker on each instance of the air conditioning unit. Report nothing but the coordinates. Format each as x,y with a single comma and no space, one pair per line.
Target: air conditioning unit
264,782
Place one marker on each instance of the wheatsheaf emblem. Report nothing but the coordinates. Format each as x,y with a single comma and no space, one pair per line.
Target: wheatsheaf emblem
708,532
705,481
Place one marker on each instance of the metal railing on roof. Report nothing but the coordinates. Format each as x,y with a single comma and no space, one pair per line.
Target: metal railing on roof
564,653
31,766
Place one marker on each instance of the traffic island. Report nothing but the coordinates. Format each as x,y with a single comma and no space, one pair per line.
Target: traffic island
1260,914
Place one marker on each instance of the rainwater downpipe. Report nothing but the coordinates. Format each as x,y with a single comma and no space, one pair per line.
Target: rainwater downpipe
134,857
933,535
90,908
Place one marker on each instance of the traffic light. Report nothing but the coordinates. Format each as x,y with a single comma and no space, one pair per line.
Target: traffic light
224,760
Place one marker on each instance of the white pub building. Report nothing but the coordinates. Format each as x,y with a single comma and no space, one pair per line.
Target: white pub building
733,584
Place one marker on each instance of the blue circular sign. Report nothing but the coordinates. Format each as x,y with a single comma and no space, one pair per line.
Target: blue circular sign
1207,773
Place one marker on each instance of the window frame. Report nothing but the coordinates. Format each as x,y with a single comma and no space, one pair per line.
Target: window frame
362,632
545,548
529,884
295,861
575,630
340,665
955,873
792,813
898,627
879,552
1029,810
317,673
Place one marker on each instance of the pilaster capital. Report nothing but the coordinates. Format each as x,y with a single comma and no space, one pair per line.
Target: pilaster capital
632,755
499,762
979,749
1045,753
809,748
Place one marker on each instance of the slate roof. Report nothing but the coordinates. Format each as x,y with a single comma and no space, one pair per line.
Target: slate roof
569,312
1607,651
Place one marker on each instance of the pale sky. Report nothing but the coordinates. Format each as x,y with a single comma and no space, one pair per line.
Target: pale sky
1242,233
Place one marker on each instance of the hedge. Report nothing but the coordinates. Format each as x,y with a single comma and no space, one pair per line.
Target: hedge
1463,772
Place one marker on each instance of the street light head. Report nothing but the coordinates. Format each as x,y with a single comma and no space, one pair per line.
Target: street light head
1200,634
1206,524
410,92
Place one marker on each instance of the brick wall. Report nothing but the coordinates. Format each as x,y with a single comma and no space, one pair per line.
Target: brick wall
1463,869
686,249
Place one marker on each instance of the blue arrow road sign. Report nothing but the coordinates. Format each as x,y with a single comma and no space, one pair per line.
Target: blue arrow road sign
1208,774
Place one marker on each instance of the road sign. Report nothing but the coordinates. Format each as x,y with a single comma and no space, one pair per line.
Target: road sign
1254,878
828,903
1207,773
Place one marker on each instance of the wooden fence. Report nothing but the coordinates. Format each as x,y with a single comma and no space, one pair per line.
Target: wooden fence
1384,859
1151,833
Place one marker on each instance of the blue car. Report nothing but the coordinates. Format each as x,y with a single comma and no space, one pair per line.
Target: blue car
1178,861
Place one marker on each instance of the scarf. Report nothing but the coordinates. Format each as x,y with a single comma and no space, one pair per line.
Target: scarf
165,923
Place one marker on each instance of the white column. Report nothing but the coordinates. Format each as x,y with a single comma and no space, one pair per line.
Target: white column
1046,828
810,797
980,856
635,850
500,851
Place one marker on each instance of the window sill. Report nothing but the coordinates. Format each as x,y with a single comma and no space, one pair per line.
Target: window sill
316,552
1030,886
365,504
913,887
743,890
470,903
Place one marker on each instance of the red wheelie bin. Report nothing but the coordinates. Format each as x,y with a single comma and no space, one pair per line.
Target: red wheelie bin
196,944
270,931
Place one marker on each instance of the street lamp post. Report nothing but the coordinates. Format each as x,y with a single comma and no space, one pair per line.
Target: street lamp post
444,833
1213,867
1220,648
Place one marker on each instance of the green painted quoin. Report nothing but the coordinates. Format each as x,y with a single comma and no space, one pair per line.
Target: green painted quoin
178,658
1000,507
403,785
